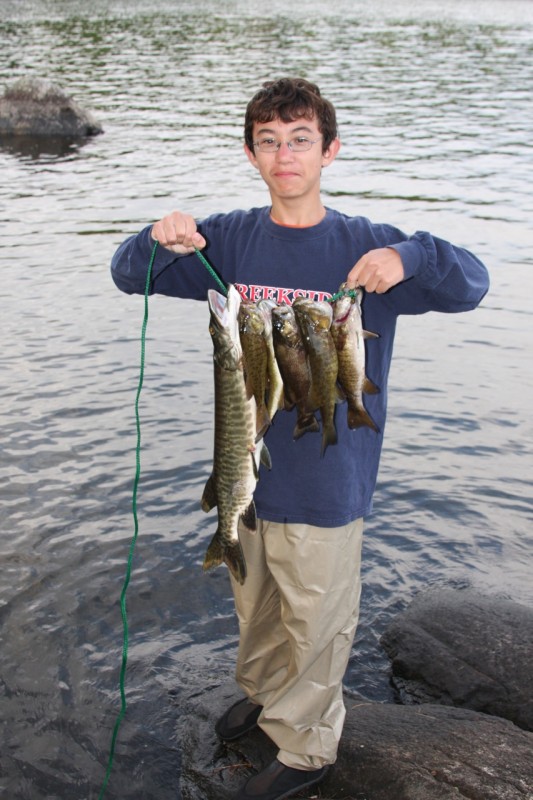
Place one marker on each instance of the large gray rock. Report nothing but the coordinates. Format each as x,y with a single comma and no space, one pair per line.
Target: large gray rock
460,648
35,107
430,752
388,752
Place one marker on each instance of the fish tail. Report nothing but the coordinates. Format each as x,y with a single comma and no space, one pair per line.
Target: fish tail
234,559
358,417
220,552
215,552
329,436
307,423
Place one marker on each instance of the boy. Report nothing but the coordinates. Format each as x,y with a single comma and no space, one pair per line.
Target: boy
299,605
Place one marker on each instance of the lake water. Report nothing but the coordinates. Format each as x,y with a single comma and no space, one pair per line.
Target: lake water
436,119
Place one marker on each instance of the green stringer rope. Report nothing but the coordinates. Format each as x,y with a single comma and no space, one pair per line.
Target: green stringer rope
122,711
135,534
211,271
344,293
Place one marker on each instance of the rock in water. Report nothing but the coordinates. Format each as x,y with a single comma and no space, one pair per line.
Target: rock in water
429,752
460,648
36,107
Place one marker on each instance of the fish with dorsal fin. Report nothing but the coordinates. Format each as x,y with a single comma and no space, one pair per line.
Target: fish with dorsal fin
236,452
348,334
252,324
294,367
314,320
275,399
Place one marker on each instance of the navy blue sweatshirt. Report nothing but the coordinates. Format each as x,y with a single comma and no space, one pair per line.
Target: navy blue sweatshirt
266,260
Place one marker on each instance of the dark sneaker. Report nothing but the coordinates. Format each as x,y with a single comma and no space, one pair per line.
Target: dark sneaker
237,720
277,781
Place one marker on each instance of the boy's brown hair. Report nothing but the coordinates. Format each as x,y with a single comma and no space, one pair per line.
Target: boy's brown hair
289,99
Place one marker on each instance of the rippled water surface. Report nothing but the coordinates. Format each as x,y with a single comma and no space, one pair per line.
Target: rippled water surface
434,104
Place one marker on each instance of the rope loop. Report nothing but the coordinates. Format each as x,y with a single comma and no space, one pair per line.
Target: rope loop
343,293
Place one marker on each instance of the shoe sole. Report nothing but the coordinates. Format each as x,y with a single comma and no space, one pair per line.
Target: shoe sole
299,788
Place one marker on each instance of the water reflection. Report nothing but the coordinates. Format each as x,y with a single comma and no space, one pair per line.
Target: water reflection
49,148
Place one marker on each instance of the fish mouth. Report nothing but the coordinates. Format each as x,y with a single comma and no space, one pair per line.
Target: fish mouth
225,309
217,304
340,320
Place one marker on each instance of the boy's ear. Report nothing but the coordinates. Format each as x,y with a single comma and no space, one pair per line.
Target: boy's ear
330,154
251,156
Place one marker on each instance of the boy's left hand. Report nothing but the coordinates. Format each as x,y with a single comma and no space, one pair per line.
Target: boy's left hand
377,271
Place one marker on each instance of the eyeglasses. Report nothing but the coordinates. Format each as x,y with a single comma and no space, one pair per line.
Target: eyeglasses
297,145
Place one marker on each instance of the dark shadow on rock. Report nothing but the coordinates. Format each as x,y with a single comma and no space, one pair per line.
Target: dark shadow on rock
460,648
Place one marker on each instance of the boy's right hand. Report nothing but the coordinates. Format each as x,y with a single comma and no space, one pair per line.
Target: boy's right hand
178,232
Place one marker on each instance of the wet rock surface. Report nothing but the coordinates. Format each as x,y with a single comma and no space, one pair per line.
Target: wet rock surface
33,107
430,752
449,649
388,752
460,648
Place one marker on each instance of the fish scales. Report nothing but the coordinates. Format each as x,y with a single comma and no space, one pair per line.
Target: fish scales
275,381
293,363
314,320
254,343
235,460
348,334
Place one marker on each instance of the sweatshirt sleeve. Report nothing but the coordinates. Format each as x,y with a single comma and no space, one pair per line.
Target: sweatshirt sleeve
172,274
439,276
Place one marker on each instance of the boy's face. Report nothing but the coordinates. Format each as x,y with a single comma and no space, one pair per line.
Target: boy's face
287,173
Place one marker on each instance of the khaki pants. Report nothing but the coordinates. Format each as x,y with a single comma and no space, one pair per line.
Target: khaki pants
298,611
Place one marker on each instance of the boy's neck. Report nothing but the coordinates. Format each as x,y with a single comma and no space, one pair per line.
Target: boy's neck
297,216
